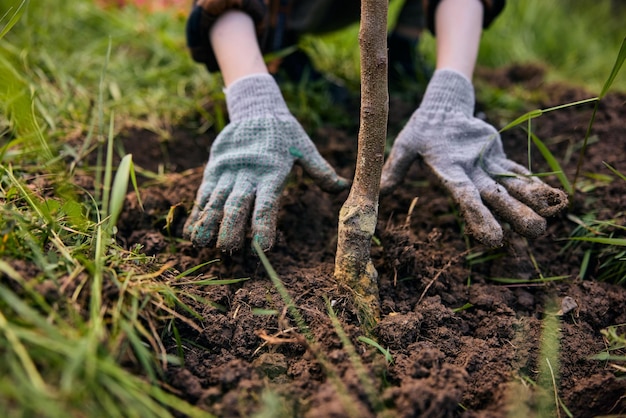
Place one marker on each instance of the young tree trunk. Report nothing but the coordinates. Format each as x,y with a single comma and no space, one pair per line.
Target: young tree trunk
359,214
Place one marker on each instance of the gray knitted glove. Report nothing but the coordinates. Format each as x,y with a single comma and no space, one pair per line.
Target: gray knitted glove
467,156
248,166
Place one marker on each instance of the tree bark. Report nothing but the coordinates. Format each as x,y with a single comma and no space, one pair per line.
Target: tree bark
359,214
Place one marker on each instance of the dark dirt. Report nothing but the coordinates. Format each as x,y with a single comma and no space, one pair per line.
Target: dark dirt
477,361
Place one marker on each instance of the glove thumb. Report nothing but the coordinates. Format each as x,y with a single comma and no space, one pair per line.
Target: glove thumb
320,170
396,167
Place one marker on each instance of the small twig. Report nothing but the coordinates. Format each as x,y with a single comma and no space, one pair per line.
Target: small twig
439,273
236,311
275,339
617,402
582,224
407,222
160,305
160,347
156,274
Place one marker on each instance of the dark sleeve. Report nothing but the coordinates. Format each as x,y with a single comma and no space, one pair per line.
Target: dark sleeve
492,9
203,16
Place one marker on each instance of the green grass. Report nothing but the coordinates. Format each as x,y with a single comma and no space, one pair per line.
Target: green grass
331,372
604,252
576,42
615,338
369,386
59,49
549,404
72,76
63,341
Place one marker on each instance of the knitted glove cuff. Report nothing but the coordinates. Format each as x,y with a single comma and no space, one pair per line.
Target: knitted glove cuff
449,91
255,97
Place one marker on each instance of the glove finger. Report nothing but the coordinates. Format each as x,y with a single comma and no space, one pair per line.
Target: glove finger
479,221
203,231
236,215
202,196
545,200
397,165
191,220
522,218
318,168
265,213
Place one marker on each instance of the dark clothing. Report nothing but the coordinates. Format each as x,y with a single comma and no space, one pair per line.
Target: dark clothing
279,23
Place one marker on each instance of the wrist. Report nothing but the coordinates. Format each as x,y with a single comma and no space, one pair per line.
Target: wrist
449,91
255,96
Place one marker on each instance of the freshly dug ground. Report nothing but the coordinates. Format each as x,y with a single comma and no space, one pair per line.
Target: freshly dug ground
461,343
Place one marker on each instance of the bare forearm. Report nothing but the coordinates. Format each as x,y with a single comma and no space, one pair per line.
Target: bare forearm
236,48
458,26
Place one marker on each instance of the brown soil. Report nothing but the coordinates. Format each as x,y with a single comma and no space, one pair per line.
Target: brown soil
478,361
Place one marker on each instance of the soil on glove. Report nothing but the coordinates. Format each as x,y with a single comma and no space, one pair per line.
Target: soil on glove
460,342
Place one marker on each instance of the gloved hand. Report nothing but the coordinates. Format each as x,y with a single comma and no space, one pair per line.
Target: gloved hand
467,156
248,166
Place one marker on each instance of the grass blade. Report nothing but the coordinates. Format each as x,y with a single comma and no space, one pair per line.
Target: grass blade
621,56
108,171
524,118
538,112
511,280
614,170
553,163
621,242
119,189
212,282
332,374
12,18
193,269
22,354
284,294
385,352
366,381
